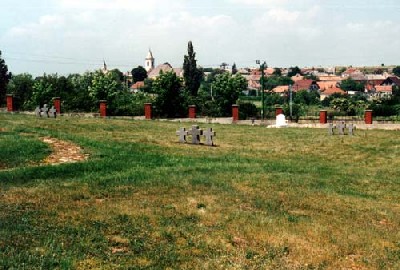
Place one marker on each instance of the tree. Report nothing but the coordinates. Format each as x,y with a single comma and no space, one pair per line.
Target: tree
79,99
234,69
139,74
43,90
396,71
227,88
274,81
277,72
307,97
21,86
191,74
351,85
293,71
170,100
4,78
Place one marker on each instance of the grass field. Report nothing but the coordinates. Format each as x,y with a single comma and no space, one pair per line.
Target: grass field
262,199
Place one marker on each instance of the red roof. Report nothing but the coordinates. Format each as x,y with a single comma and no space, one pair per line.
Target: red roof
383,88
138,85
302,85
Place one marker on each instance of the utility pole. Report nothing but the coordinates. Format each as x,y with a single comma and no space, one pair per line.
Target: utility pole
291,100
262,67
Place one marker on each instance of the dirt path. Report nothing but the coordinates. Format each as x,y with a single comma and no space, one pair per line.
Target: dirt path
63,152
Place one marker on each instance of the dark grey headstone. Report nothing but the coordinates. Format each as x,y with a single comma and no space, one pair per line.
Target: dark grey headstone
196,133
209,134
182,133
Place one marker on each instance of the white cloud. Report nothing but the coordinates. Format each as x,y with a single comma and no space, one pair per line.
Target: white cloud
282,15
127,5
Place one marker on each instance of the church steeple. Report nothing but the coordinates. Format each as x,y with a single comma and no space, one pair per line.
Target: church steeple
149,63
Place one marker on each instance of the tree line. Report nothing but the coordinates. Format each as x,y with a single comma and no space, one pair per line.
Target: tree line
171,95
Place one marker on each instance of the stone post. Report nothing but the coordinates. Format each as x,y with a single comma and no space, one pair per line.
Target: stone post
147,111
235,112
10,103
368,117
57,104
103,108
323,117
192,111
278,111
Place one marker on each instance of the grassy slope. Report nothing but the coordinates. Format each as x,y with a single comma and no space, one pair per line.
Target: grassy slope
264,198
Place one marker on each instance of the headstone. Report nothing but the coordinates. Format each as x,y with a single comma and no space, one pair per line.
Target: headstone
209,134
38,112
341,126
281,120
52,112
45,111
195,132
182,133
331,129
351,129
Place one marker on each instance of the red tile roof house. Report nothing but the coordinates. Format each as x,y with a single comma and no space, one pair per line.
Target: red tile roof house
305,85
383,91
137,86
329,88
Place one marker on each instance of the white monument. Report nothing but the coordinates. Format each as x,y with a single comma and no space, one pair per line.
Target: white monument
281,121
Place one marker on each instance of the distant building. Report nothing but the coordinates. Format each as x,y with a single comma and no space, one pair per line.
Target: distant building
149,62
164,68
154,71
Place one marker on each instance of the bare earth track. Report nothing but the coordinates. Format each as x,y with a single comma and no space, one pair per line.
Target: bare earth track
63,152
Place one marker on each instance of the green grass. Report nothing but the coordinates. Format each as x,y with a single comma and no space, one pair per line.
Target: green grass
19,149
262,199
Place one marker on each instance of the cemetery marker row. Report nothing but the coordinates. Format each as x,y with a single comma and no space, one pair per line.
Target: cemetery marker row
196,132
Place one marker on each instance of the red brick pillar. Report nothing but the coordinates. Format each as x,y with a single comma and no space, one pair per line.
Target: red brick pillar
10,103
192,111
323,117
235,112
103,108
368,117
57,104
147,111
278,111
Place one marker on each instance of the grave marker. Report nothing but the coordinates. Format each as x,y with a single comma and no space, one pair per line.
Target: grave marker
209,134
341,126
351,129
331,129
38,112
182,133
196,133
45,110
52,112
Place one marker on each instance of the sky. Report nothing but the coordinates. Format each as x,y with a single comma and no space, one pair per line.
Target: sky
74,36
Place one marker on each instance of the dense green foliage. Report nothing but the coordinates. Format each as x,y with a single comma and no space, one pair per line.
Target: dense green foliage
138,74
227,88
351,85
293,71
273,81
170,101
396,71
191,74
4,78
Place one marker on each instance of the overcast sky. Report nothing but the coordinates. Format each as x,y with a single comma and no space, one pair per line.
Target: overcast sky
73,36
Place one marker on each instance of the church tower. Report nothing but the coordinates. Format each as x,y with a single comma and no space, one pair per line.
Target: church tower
149,63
